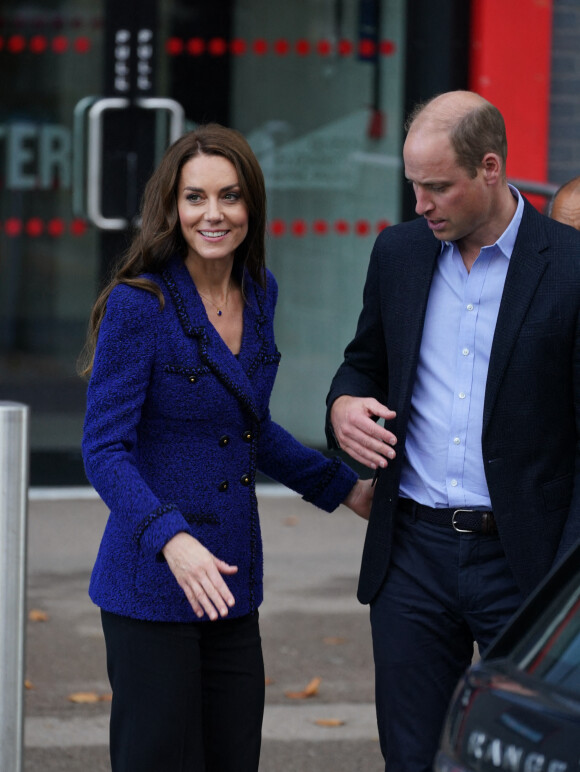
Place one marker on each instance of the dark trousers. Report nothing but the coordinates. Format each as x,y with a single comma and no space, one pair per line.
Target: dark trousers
443,591
186,697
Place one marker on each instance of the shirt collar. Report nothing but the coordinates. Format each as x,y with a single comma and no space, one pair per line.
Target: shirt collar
507,240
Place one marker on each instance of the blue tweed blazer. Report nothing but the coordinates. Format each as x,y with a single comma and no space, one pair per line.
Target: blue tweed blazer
175,429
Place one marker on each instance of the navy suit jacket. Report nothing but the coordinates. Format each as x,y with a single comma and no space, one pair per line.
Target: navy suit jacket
531,415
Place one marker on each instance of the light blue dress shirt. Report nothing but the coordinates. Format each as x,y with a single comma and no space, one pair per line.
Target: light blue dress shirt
443,464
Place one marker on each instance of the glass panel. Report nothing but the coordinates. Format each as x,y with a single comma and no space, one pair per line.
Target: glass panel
315,85
323,111
50,57
317,88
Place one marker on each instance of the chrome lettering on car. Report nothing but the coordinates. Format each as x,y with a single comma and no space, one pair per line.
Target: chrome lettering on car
495,753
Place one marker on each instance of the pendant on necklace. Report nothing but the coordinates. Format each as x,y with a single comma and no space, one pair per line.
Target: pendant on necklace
219,312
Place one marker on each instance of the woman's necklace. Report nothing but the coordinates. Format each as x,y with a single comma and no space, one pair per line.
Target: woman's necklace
217,307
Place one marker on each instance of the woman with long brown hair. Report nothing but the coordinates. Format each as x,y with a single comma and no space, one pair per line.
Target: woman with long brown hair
182,360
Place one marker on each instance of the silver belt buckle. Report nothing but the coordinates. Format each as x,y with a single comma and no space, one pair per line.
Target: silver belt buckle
454,524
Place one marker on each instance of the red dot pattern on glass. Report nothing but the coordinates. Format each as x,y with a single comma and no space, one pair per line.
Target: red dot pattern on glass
57,227
216,47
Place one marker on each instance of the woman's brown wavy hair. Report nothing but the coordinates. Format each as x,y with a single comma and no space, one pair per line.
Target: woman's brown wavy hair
160,236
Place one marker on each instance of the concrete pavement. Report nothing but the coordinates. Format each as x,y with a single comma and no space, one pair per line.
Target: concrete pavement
312,627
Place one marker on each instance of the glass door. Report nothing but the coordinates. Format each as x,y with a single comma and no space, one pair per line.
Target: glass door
84,116
92,93
51,56
317,87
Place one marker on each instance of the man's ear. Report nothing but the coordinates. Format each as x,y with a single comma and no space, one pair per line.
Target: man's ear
491,164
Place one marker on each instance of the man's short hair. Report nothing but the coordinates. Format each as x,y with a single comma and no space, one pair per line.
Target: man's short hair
472,134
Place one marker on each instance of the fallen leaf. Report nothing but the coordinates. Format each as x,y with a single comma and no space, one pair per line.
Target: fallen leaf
329,722
312,687
28,684
106,697
84,698
291,521
269,681
333,640
36,615
310,691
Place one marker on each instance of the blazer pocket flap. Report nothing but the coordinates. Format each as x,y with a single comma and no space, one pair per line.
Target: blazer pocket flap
558,493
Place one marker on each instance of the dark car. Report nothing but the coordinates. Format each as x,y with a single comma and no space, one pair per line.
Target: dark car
518,708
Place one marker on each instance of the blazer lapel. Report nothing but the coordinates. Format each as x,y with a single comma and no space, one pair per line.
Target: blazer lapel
527,265
254,341
212,349
409,302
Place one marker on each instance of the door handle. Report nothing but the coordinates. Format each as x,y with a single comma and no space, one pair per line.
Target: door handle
79,156
176,113
95,164
89,152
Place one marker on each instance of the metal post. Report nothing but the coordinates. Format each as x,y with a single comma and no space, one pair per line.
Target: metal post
13,516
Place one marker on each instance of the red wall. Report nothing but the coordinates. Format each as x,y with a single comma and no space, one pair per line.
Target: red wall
510,66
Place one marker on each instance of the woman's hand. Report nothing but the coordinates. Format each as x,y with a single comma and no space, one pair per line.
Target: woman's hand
360,498
198,573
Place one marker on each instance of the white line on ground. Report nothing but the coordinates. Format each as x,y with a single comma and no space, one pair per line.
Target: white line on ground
263,490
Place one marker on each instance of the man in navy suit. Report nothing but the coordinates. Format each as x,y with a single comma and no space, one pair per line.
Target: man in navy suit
467,348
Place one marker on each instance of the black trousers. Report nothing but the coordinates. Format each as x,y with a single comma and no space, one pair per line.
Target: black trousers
443,591
186,697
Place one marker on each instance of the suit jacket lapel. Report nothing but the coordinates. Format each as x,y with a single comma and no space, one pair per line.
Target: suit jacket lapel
527,265
212,349
412,296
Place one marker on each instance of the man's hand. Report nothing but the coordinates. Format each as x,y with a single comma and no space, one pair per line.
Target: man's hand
358,434
198,573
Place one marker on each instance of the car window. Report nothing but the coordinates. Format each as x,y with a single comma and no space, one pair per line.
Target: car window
551,648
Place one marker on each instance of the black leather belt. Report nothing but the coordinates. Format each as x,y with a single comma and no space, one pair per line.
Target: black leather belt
462,520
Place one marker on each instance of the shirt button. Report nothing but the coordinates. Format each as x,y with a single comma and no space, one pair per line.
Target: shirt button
456,441
192,378
461,395
225,440
245,479
247,436
454,483
465,352
470,306
223,486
